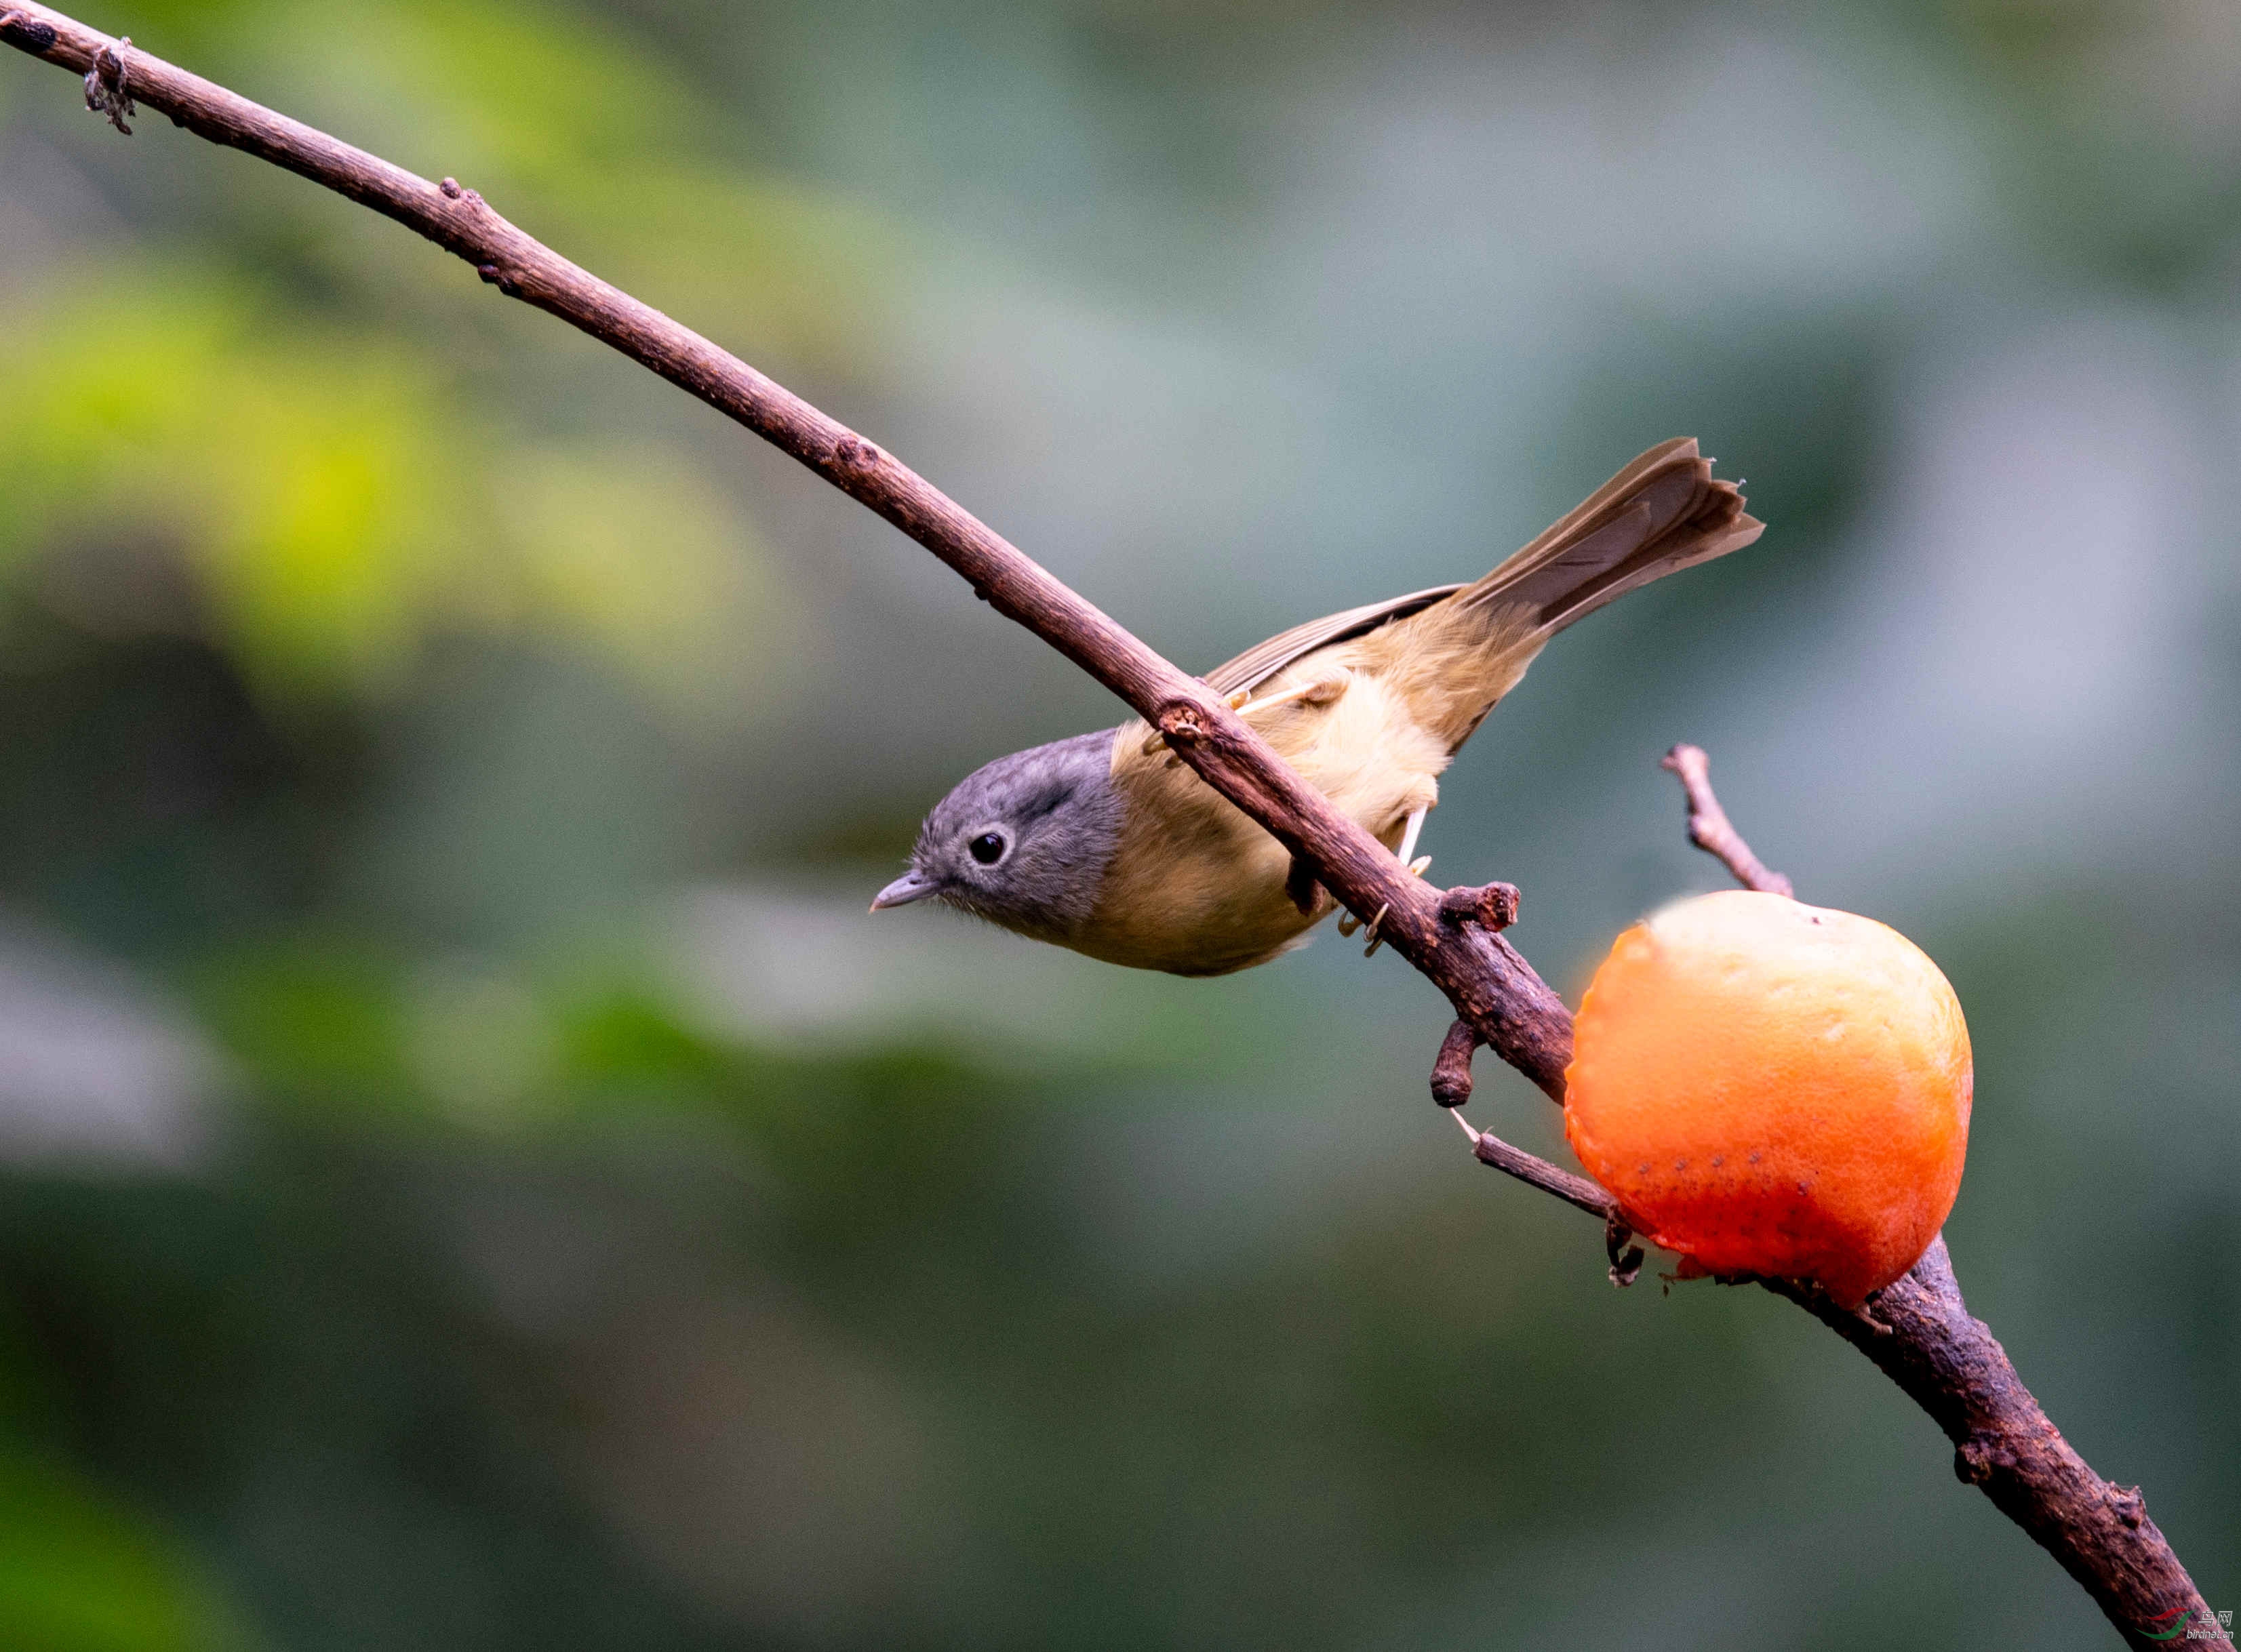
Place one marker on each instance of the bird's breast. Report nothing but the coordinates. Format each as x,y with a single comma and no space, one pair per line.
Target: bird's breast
1195,887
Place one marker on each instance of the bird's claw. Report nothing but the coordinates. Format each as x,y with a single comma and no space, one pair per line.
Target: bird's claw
1348,923
1375,942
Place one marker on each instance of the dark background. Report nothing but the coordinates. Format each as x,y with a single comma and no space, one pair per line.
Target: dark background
475,1177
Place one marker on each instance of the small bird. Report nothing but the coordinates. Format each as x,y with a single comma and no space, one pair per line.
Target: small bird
1106,844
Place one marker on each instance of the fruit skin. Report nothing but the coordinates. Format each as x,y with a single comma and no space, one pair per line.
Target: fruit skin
1773,1088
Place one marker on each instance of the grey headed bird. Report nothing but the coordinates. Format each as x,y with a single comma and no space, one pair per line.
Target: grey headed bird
1106,844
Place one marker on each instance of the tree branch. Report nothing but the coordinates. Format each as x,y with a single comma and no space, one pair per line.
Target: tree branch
1919,1332
1926,1342
1709,829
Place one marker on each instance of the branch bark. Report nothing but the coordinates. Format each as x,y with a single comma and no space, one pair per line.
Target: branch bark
1946,1361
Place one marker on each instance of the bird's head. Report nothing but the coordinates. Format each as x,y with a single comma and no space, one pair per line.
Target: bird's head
1023,842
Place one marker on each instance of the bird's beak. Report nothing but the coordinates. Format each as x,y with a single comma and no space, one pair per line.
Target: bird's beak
911,886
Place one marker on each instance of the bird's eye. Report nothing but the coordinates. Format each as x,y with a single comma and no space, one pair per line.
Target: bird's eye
987,848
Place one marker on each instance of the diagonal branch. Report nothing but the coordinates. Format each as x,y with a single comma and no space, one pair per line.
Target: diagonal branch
1710,829
1946,1361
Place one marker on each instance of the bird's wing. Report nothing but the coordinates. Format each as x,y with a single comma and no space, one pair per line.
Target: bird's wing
1258,664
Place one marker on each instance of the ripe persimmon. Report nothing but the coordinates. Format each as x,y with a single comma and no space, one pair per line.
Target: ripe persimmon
1773,1088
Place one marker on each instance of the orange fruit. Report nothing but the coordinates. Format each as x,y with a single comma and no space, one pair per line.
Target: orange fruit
1768,1087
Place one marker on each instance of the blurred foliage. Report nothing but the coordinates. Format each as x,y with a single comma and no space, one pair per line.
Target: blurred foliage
78,1571
596,1232
330,507
333,494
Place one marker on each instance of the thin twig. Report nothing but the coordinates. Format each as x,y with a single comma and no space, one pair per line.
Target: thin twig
1948,1363
1534,1172
1451,1088
1709,829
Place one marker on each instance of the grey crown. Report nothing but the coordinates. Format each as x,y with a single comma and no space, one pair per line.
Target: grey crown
1060,817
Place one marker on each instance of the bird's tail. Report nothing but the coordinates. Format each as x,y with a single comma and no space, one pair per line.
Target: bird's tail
1661,513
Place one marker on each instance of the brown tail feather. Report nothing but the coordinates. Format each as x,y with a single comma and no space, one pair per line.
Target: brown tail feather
1456,659
1661,513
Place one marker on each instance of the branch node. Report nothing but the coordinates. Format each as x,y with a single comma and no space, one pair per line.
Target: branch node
854,453
1183,723
1977,1459
28,33
1493,907
1451,1073
2131,1508
106,93
451,188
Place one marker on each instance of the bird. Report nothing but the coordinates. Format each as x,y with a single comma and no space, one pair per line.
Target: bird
1108,845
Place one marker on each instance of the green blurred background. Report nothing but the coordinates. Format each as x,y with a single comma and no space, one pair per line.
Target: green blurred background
472,1175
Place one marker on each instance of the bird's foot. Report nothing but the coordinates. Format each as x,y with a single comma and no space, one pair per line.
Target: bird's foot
1349,924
